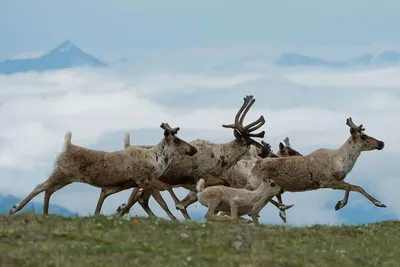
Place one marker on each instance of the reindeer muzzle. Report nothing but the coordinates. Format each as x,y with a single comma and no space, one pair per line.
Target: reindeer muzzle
381,145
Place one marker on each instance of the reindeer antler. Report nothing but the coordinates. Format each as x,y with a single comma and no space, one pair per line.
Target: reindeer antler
239,118
286,141
266,146
353,127
168,129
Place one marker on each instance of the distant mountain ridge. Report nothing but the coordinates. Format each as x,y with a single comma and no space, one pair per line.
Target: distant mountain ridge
7,201
386,58
64,56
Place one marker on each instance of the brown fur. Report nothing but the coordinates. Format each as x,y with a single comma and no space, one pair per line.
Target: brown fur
134,166
323,168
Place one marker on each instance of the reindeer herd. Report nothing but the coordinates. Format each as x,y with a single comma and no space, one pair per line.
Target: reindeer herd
231,179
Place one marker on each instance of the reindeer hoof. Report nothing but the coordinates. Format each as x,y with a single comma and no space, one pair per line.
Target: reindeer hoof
380,205
120,210
282,214
339,205
286,207
13,209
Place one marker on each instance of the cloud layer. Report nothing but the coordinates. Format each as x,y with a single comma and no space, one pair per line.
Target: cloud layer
98,107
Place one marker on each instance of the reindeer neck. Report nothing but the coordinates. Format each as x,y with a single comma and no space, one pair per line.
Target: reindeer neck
348,154
232,152
260,193
162,155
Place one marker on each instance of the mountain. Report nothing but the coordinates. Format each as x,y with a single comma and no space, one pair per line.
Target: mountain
7,201
64,56
294,59
386,58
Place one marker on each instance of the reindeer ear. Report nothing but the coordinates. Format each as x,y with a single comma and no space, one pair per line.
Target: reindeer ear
281,146
166,133
353,132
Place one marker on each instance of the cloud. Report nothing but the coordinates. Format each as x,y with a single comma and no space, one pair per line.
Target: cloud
99,106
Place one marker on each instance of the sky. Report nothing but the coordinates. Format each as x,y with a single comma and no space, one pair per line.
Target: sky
131,27
190,64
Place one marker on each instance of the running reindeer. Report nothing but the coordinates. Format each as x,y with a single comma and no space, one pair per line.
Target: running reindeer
133,167
210,161
323,168
236,201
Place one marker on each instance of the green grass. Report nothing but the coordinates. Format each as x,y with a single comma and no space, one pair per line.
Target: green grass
34,240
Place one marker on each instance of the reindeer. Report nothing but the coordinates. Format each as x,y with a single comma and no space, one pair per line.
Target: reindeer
211,160
236,201
323,168
136,167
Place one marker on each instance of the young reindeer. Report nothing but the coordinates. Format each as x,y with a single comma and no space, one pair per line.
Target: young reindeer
238,175
236,201
323,168
211,160
137,167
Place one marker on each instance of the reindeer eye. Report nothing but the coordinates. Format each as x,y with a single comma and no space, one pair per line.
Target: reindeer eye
363,137
273,184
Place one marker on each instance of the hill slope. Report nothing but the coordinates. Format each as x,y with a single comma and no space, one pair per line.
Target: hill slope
64,56
111,241
7,201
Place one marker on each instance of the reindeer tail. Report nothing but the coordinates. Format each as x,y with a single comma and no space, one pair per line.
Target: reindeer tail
200,185
67,140
127,140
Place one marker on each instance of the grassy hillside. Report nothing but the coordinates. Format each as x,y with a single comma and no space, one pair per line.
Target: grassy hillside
34,240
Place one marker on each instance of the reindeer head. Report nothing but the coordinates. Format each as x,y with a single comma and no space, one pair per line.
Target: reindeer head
264,150
366,142
182,147
243,134
273,188
286,150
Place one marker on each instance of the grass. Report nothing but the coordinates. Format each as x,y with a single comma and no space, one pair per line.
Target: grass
34,240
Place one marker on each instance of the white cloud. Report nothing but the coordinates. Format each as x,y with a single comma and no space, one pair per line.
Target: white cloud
39,108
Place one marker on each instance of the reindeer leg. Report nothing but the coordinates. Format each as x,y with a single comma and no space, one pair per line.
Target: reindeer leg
144,202
187,201
178,204
51,182
234,211
282,212
211,212
349,187
157,196
106,192
123,209
47,195
164,186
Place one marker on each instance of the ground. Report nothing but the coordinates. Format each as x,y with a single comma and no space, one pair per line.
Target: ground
34,240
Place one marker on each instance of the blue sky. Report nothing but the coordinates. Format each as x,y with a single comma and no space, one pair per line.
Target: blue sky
132,26
175,48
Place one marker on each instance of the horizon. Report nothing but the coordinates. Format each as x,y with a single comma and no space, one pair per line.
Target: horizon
193,73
